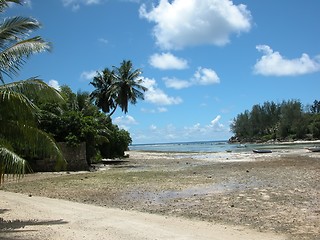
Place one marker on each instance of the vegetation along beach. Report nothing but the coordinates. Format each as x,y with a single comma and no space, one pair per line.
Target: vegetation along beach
214,152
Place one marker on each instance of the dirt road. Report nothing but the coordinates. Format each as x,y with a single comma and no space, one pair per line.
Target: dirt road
31,217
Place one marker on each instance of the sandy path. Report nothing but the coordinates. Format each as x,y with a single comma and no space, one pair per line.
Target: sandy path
27,217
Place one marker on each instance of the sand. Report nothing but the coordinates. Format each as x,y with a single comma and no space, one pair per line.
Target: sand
44,218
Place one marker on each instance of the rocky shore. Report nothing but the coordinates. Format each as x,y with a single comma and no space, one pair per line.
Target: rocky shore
276,192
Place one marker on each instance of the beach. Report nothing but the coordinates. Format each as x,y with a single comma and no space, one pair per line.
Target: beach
240,195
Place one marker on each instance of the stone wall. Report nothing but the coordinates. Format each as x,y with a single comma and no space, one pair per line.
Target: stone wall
75,156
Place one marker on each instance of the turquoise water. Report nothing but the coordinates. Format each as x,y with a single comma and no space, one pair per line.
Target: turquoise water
214,146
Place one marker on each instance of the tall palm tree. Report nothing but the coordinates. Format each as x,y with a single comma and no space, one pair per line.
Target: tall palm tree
18,114
118,87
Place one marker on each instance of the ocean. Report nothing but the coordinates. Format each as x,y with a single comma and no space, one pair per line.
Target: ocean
215,146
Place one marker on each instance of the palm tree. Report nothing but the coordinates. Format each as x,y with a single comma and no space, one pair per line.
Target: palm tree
118,87
19,135
103,96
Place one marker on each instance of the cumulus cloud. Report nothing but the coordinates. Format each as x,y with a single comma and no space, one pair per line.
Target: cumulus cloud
203,76
55,84
166,61
182,23
176,83
197,132
215,123
88,75
274,64
125,122
206,76
156,95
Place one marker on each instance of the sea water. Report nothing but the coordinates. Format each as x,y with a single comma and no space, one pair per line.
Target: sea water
214,146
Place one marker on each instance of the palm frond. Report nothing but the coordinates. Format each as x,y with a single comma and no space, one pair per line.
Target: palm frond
14,57
15,28
30,141
14,105
4,3
11,164
34,89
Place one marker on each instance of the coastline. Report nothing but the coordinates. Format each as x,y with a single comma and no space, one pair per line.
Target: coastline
218,146
274,193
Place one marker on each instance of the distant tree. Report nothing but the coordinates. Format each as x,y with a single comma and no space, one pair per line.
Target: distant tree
118,87
315,107
291,119
272,121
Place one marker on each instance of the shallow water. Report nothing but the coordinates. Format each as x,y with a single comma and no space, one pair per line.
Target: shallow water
218,146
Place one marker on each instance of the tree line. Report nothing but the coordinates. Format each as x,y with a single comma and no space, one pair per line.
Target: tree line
288,120
77,120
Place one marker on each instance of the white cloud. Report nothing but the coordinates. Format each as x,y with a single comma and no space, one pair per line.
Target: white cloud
88,75
55,84
153,127
157,110
166,61
156,95
162,109
75,4
206,76
125,122
170,133
203,76
182,23
273,64
215,123
176,83
103,40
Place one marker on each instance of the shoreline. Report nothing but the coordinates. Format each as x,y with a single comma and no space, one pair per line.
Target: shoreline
217,147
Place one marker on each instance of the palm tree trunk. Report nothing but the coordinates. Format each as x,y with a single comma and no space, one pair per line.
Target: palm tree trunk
115,108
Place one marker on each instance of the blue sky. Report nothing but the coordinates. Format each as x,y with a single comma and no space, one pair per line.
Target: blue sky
203,62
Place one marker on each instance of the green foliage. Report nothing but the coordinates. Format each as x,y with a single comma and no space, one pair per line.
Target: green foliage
118,143
272,121
20,139
79,120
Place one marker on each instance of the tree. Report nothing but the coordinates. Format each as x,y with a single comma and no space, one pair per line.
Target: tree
117,87
18,134
78,120
315,107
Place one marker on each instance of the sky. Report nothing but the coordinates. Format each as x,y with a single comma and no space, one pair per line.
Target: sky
203,61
